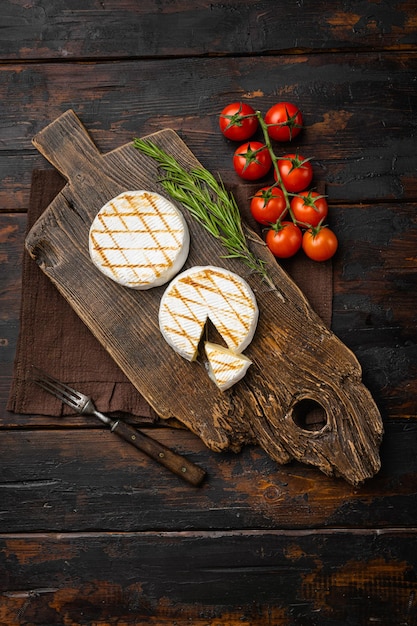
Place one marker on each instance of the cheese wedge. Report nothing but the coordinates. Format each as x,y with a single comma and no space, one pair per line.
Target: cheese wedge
225,367
139,239
202,293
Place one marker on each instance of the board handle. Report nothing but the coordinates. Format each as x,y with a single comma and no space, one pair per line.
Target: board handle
66,144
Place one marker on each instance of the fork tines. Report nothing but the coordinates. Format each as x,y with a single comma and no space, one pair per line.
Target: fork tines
60,390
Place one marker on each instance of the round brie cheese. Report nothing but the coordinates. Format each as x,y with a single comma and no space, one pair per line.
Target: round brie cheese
202,293
139,239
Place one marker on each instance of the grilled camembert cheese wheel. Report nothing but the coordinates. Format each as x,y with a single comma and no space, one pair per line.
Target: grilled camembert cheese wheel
139,239
202,293
225,367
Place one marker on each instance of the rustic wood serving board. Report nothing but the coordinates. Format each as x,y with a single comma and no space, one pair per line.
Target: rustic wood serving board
302,398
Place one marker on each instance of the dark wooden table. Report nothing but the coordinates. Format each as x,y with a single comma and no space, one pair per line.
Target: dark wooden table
85,540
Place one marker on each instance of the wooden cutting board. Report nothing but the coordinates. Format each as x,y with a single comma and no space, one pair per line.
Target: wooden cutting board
302,398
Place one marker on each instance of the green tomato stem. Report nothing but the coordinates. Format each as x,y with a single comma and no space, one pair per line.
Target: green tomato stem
275,160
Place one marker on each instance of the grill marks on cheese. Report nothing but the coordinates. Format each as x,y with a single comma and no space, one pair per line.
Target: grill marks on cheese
139,239
227,311
225,367
134,223
207,292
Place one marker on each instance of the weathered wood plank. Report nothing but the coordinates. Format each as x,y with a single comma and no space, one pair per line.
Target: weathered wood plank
209,579
374,312
357,109
375,298
151,29
77,479
360,108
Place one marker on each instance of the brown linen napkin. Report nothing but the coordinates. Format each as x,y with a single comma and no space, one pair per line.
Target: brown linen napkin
54,338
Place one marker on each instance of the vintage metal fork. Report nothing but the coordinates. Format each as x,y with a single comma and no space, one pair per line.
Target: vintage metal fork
84,405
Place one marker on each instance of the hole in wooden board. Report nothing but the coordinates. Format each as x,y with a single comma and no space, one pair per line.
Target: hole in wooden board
309,415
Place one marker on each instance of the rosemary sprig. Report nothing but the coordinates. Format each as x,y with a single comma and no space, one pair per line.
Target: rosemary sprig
208,202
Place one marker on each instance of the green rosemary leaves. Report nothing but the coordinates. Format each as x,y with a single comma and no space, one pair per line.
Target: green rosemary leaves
208,202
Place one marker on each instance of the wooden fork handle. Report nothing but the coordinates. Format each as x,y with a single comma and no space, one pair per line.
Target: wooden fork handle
157,451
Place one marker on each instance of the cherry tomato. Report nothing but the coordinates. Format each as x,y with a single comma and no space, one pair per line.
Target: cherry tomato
235,124
284,121
252,160
284,240
309,208
268,205
319,244
296,172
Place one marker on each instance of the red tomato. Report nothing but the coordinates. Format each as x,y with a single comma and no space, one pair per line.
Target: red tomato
252,160
309,208
296,172
268,205
284,121
285,240
238,121
319,244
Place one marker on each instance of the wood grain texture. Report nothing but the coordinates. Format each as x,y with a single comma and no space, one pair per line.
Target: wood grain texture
374,302
152,29
347,555
73,479
229,579
359,130
316,371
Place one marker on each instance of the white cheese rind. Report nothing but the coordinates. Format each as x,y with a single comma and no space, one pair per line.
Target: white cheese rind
202,293
225,368
139,239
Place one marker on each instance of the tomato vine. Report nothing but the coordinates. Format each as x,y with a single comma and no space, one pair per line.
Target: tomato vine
292,173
